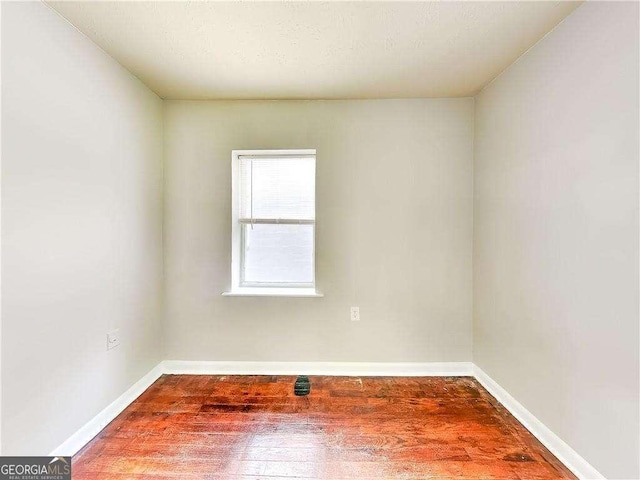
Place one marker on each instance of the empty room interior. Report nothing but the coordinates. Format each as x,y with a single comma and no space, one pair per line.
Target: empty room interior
320,240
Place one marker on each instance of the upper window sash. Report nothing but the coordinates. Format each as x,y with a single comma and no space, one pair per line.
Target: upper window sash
274,191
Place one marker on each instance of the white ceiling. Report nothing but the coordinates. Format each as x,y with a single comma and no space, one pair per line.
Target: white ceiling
241,50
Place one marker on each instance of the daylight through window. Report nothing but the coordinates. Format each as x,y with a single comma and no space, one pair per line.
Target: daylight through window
274,219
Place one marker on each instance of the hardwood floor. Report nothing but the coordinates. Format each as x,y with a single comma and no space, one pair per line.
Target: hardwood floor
253,427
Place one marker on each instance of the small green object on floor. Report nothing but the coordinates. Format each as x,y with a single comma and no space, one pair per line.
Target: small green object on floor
302,386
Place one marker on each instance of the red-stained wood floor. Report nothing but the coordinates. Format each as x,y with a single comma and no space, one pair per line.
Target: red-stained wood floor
253,427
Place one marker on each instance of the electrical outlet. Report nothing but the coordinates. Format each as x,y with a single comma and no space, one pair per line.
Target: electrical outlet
113,339
355,314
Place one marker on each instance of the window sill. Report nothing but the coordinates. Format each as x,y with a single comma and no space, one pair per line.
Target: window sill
273,292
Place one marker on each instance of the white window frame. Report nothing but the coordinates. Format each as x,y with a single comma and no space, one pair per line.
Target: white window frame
238,286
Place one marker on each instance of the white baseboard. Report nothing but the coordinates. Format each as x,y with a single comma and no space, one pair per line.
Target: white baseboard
563,452
79,439
361,369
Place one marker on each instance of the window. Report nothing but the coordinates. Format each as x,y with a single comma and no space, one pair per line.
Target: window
273,231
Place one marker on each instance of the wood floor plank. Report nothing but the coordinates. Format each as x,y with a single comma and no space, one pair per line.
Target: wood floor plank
237,427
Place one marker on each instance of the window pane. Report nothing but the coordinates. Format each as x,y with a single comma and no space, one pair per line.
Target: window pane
278,253
277,188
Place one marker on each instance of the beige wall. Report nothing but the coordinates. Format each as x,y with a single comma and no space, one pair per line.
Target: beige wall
556,233
393,231
81,218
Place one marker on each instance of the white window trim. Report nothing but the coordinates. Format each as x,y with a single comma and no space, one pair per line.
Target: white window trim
273,292
300,290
